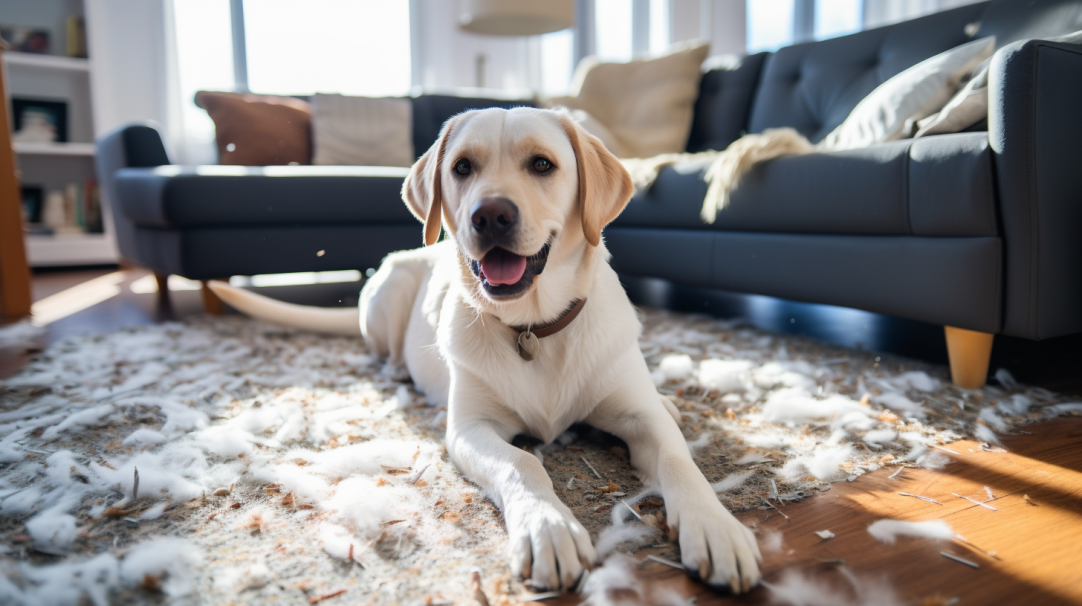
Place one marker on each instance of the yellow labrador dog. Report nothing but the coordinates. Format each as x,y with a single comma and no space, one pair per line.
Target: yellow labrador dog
533,332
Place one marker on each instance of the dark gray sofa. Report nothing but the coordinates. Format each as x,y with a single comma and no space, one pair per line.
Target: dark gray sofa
976,230
205,222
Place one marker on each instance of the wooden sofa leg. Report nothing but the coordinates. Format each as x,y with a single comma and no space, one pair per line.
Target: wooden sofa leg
969,352
163,289
211,303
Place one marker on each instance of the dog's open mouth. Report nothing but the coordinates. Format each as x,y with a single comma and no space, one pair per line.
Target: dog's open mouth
506,275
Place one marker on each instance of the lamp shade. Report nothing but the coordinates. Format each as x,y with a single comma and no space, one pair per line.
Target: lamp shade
516,17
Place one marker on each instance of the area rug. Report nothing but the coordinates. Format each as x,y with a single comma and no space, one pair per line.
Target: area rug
224,460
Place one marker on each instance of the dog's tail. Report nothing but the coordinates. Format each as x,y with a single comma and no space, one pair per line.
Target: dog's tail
343,321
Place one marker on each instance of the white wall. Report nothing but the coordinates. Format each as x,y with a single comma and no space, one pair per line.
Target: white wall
448,55
126,40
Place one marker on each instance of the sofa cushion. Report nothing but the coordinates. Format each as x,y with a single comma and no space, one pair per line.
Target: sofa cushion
361,131
725,95
952,281
935,186
813,87
214,253
218,196
259,130
645,105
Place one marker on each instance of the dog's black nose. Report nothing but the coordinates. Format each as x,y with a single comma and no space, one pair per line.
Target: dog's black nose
494,216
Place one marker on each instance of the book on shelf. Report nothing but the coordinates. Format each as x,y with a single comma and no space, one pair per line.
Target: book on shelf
76,209
76,36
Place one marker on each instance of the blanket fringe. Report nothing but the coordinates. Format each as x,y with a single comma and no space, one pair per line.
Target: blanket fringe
726,168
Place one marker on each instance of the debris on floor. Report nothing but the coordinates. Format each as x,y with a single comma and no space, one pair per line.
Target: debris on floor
266,452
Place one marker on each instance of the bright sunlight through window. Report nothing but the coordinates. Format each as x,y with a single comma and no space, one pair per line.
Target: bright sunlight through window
204,59
659,26
837,18
770,24
557,62
353,47
613,19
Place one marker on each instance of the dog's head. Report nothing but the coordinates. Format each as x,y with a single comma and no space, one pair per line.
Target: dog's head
519,191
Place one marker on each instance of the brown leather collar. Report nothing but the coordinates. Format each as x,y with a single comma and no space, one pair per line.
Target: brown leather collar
554,327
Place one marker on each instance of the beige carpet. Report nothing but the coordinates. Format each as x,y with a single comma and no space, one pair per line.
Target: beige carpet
275,465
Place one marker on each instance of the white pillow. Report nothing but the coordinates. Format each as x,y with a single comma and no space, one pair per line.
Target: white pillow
970,105
967,108
909,96
362,131
645,107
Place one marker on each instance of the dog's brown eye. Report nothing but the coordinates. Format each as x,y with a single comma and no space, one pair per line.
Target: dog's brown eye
542,165
462,167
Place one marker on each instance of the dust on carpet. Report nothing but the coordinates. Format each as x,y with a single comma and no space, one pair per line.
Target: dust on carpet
222,459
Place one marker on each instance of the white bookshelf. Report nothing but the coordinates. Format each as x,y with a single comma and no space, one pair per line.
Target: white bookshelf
51,62
63,249
55,149
54,165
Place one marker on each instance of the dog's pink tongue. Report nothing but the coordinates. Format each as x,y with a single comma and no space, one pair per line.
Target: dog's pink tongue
503,267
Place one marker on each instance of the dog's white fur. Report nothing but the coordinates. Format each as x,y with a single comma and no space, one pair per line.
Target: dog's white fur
424,309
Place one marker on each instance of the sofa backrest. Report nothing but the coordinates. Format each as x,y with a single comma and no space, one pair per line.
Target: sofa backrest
725,95
431,111
813,87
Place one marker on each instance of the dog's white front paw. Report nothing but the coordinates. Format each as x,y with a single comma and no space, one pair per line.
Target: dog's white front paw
714,546
547,543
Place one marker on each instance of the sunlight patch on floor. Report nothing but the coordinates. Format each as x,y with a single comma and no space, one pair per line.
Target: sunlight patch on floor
75,299
296,279
149,285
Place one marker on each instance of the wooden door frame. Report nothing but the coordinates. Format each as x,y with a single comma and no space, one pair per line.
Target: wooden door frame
14,271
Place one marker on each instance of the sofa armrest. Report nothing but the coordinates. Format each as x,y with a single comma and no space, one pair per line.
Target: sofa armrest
1035,130
130,145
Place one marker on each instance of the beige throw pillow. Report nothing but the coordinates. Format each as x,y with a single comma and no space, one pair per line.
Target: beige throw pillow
908,97
644,107
362,131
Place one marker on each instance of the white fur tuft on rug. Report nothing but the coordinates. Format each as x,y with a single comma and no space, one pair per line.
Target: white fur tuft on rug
221,457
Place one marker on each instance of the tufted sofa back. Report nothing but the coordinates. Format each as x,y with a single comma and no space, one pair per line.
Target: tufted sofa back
813,87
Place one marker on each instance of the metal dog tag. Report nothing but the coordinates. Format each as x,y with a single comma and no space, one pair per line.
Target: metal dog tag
528,345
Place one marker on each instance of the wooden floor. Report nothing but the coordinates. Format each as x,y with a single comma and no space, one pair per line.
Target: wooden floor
1039,545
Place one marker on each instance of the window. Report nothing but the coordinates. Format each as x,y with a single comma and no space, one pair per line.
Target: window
353,47
770,24
614,29
557,62
659,26
204,52
837,18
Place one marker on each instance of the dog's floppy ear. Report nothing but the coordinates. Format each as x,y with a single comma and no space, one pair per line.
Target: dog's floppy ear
423,191
605,186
